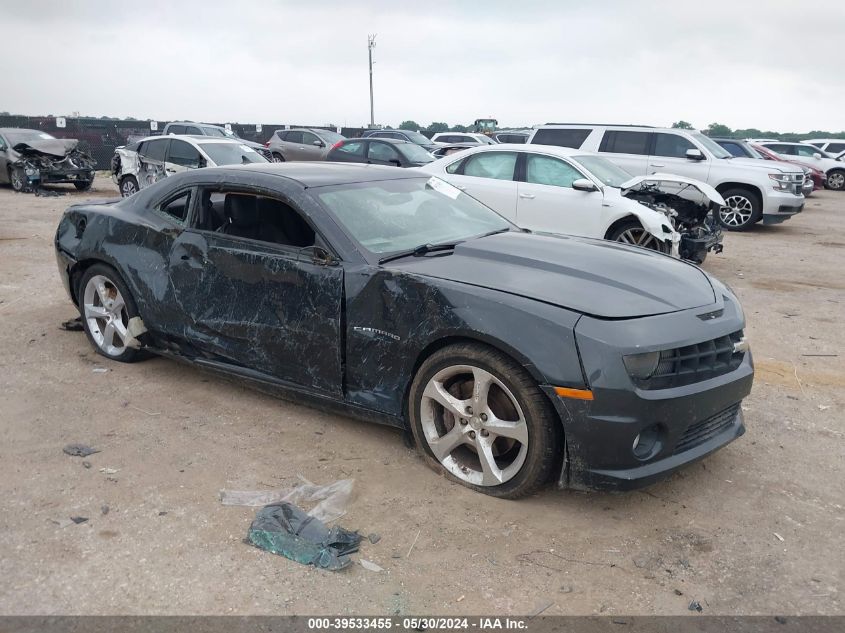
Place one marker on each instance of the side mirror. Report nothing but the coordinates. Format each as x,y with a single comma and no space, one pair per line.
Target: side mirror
318,144
582,184
694,154
817,155
202,163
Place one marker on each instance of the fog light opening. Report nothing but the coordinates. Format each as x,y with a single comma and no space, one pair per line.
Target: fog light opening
647,443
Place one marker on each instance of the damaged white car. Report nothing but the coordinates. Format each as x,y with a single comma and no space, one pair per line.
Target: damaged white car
31,158
562,190
140,164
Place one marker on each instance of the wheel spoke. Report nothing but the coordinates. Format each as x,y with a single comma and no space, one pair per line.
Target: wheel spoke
120,331
95,312
443,446
108,334
117,304
437,392
481,389
517,430
102,292
491,474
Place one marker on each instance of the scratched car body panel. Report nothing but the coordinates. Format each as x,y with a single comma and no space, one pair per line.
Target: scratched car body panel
298,278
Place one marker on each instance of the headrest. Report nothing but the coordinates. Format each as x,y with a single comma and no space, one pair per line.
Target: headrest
241,209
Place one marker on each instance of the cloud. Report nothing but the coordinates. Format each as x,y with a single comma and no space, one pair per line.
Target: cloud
653,62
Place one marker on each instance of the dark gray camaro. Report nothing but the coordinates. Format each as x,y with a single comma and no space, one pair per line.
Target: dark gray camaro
513,358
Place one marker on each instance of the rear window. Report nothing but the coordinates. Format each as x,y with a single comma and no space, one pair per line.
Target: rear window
231,153
562,138
835,148
625,142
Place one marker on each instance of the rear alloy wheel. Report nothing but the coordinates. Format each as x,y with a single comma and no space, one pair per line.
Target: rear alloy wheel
278,158
477,416
83,185
17,179
631,232
741,211
107,307
128,186
836,180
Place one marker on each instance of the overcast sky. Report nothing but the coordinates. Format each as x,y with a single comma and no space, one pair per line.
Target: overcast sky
774,65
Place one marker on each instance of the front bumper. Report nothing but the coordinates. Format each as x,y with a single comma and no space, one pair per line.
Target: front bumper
693,420
780,206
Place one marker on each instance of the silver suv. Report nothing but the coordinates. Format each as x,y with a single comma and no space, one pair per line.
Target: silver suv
753,190
302,144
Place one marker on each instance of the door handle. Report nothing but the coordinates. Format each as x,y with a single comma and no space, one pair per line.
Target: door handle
528,196
656,165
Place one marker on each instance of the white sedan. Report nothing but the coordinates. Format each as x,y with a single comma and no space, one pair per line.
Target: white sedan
562,190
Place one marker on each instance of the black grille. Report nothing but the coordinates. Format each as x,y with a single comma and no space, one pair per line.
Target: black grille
694,363
700,432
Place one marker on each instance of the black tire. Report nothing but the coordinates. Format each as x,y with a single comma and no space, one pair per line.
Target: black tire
744,209
278,158
83,185
625,231
17,179
544,453
128,186
835,180
126,354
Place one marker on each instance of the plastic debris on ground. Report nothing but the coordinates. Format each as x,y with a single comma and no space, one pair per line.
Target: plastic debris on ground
332,498
73,325
289,531
79,450
369,565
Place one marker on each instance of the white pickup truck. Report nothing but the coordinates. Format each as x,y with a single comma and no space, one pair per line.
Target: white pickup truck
753,190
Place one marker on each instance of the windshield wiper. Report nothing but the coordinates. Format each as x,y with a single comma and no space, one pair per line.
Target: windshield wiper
420,250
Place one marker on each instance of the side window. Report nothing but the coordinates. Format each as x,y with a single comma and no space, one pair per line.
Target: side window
155,150
545,170
193,130
254,217
176,208
782,149
805,151
293,137
624,142
281,135
355,147
497,165
454,167
382,151
561,137
835,148
176,129
673,146
184,154
309,139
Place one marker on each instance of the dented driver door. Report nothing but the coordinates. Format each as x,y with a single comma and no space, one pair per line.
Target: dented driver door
260,306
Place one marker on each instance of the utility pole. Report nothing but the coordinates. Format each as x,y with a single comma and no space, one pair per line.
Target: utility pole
371,44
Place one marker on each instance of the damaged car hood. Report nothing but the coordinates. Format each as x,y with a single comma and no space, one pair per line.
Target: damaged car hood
595,277
671,184
51,147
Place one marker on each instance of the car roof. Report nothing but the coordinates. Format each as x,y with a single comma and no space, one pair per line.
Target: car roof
322,174
193,138
20,129
394,141
538,149
625,125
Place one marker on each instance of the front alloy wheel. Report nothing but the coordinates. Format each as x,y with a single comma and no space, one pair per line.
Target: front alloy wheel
836,180
741,211
16,178
632,232
479,418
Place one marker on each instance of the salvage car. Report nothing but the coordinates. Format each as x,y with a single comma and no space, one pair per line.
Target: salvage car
513,358
147,161
379,151
562,190
31,158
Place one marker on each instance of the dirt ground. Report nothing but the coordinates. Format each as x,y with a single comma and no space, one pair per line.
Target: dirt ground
756,528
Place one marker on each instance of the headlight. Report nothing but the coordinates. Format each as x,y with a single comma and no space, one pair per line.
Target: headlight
781,181
643,365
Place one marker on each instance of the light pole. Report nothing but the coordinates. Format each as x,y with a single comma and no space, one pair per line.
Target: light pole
371,44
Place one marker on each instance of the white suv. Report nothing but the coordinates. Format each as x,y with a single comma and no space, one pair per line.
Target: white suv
833,146
462,137
753,190
815,157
